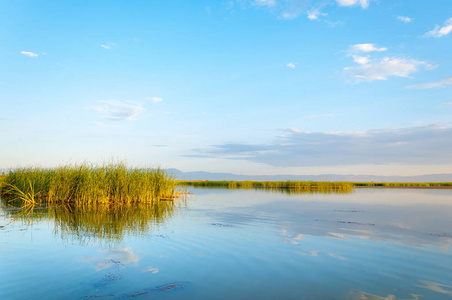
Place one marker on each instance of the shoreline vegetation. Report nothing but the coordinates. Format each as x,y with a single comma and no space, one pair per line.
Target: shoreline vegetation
292,185
117,184
313,185
88,185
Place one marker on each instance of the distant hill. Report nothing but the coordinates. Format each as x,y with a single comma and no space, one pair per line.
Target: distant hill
200,175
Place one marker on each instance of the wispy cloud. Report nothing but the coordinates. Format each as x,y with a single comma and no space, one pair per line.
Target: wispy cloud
103,125
432,85
314,14
283,9
440,31
384,68
291,9
154,99
405,19
414,145
5,118
365,48
108,45
265,2
29,54
447,103
117,110
320,116
362,3
289,15
291,65
379,69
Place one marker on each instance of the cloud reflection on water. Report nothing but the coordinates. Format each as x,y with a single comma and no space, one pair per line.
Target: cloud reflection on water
111,257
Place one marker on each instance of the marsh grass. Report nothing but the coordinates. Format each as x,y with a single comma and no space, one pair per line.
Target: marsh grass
315,186
88,185
292,185
404,184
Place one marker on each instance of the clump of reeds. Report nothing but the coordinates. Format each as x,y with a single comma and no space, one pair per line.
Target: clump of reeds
296,185
88,184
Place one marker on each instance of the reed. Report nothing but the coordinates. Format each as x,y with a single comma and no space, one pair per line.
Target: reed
404,184
310,185
87,185
295,185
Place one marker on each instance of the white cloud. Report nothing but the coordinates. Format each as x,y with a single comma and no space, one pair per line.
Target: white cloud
4,118
314,14
283,9
265,2
405,19
448,103
30,54
362,60
291,65
413,145
362,3
318,116
365,48
289,15
384,68
117,110
154,99
431,85
103,125
439,31
108,45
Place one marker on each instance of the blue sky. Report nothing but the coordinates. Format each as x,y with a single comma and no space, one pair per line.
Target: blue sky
247,86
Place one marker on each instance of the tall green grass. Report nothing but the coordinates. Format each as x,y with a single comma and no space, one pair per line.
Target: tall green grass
87,184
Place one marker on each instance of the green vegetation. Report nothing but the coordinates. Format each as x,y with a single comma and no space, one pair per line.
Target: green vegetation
403,184
88,185
295,185
310,185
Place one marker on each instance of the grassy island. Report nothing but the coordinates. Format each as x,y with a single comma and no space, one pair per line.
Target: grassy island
295,185
87,184
313,185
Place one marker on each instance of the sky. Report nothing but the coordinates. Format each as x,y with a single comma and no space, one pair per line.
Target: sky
246,86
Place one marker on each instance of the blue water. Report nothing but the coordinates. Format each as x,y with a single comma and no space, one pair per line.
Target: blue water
239,244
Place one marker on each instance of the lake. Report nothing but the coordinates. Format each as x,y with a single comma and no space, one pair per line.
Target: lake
235,244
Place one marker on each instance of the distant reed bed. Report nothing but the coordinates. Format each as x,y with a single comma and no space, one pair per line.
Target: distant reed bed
316,186
88,184
295,185
404,184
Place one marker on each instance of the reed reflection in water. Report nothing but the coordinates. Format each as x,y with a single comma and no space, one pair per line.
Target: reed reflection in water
92,224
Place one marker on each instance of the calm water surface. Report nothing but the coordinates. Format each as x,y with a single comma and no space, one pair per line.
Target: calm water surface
236,244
